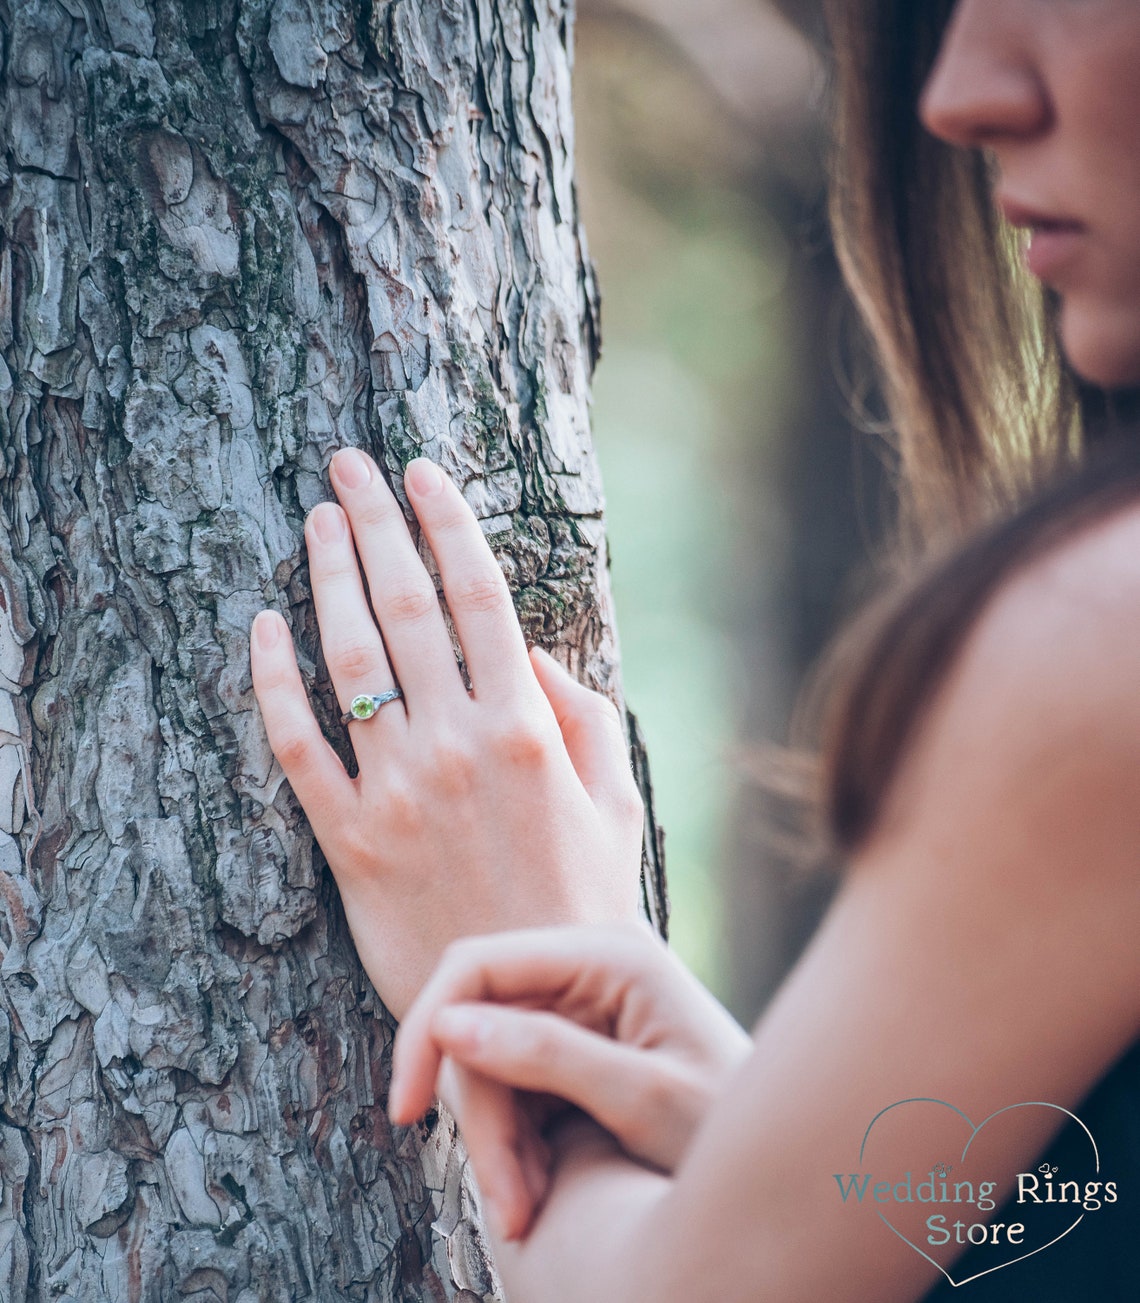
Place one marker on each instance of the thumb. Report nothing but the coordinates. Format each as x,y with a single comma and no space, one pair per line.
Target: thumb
591,729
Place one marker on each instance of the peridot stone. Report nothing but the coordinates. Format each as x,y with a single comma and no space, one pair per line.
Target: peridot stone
362,708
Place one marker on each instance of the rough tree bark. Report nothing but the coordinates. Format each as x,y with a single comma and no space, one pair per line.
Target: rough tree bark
235,235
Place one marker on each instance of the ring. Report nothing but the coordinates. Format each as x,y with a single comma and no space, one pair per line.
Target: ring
367,706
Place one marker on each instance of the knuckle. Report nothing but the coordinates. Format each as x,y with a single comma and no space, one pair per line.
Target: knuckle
410,604
280,680
657,1096
354,847
605,708
372,510
538,1040
404,810
292,752
452,513
481,594
522,742
595,711
453,765
629,805
355,659
272,683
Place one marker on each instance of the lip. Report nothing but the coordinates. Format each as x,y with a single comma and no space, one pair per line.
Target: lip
1053,237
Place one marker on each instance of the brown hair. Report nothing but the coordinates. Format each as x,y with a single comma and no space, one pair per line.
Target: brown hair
980,400
891,661
990,424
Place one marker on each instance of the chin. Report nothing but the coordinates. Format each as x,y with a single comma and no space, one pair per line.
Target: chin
1102,346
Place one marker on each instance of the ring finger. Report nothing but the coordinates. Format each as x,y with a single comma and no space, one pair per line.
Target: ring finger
403,595
351,641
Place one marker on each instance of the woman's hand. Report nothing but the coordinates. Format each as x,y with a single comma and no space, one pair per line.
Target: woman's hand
605,1018
507,806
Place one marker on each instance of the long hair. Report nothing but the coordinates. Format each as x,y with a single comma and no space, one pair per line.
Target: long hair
981,403
992,427
890,662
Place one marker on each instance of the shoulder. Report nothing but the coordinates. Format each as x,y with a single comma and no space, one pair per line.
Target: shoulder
1037,723
1012,817
1063,630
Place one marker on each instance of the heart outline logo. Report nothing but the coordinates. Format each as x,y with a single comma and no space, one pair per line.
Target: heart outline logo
974,1130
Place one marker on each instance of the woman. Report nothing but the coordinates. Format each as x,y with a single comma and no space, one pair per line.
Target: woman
983,767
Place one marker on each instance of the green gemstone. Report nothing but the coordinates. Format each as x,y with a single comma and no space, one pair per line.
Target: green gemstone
362,708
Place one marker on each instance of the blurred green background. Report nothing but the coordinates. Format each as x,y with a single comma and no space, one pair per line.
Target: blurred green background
729,462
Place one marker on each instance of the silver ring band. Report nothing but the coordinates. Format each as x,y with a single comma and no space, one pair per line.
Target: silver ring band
364,707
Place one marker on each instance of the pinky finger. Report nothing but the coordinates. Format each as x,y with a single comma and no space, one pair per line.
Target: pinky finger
309,763
592,731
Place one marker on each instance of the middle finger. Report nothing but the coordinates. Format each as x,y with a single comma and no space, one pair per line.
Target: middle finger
403,595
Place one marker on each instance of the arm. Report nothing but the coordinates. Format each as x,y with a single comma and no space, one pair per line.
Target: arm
982,951
511,805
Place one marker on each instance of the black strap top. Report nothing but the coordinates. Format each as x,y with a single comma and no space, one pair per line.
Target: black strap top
1099,1261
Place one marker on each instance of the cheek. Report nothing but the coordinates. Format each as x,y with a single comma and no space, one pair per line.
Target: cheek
1099,112
1098,103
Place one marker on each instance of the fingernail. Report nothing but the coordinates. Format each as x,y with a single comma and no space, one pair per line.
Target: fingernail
424,477
267,629
328,523
351,468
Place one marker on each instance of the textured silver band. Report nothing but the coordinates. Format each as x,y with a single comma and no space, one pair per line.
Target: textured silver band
364,707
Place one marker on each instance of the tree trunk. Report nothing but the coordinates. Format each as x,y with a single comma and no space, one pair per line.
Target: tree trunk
236,235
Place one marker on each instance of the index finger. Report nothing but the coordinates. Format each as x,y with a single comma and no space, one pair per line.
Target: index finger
537,963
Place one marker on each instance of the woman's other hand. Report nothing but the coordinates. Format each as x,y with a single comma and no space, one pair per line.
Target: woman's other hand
605,1018
511,805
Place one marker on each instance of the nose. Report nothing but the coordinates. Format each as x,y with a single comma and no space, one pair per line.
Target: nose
985,86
